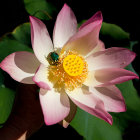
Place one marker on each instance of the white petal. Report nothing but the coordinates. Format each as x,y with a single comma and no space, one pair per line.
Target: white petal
55,106
90,103
41,42
41,78
112,98
85,40
107,77
65,27
21,66
110,58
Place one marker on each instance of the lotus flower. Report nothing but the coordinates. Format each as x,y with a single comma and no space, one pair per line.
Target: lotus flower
75,68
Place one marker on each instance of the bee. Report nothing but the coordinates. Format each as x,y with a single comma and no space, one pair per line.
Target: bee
53,58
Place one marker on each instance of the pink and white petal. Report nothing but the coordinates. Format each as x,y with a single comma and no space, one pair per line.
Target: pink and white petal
107,77
41,78
112,98
73,109
41,42
21,66
113,76
85,40
110,58
65,27
99,111
55,106
90,103
95,17
99,47
90,80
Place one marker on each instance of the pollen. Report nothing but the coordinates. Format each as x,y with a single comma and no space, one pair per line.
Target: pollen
73,65
70,72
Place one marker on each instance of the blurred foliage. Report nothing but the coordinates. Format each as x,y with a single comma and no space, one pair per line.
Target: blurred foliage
1,78
18,40
40,8
22,34
6,102
92,128
114,32
85,124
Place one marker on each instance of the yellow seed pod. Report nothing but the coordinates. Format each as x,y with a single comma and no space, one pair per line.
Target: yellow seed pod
73,65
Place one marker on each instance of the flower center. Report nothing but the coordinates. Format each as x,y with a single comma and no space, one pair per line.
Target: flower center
69,71
73,65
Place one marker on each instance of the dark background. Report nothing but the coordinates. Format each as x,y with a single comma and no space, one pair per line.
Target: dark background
12,13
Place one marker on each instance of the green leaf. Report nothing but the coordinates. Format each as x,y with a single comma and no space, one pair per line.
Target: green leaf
8,46
132,100
130,47
18,40
130,67
1,77
6,102
80,23
40,8
92,128
114,32
22,34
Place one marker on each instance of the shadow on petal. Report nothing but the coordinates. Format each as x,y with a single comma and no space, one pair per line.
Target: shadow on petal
27,64
73,108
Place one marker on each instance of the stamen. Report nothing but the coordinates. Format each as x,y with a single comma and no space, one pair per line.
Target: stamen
71,71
